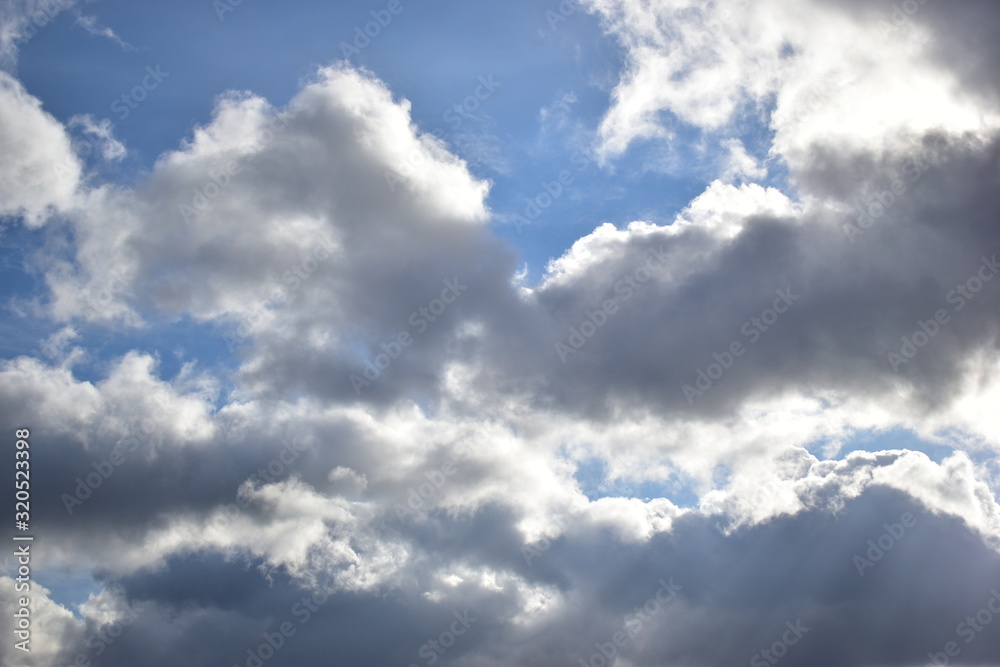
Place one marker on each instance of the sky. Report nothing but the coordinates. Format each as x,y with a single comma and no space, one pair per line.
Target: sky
612,333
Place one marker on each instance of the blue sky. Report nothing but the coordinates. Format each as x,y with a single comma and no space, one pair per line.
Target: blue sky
506,141
669,299
536,125
533,127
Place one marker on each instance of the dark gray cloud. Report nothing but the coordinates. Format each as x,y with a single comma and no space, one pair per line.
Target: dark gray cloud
856,294
737,593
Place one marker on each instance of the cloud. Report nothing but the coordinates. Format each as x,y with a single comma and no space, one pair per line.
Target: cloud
20,20
52,626
252,220
687,291
795,531
409,435
708,65
790,529
741,164
41,175
102,133
93,27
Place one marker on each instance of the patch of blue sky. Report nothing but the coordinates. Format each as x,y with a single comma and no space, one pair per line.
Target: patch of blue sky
24,331
591,476
18,288
70,589
870,440
172,343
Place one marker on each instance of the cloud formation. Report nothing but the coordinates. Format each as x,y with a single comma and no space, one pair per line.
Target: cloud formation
398,464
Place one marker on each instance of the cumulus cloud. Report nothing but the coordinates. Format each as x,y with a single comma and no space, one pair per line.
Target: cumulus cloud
741,165
52,626
41,174
504,533
706,64
409,436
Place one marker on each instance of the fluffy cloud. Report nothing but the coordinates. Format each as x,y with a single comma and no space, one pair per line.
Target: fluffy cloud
825,72
500,531
40,174
53,627
296,223
405,452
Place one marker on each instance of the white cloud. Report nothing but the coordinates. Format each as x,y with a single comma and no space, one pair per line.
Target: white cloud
93,27
51,627
20,20
287,182
40,175
103,133
705,63
741,165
